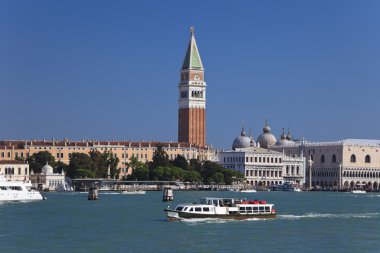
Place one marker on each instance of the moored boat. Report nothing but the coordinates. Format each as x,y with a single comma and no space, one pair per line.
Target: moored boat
17,191
248,191
358,191
133,192
223,208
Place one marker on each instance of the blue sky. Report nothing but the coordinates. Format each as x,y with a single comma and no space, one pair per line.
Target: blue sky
110,69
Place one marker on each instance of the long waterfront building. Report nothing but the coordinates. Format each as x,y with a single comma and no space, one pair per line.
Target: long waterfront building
351,163
124,150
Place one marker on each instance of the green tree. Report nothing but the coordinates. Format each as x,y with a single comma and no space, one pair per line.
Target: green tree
196,165
217,178
168,173
103,162
59,166
81,165
192,176
231,176
140,170
160,158
38,160
181,162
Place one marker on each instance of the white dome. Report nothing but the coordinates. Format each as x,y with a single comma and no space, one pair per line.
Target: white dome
47,169
241,141
266,139
285,139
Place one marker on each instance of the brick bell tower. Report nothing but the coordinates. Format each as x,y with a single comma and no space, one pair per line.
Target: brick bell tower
192,97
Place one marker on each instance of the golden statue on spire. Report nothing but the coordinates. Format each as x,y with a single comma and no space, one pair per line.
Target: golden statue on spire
192,30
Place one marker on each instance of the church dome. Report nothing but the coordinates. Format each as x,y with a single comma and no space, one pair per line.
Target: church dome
266,139
241,141
285,139
47,169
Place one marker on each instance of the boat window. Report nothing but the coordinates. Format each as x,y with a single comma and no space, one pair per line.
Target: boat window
255,209
198,209
249,209
3,188
191,209
16,188
179,208
242,209
267,209
215,202
206,209
185,209
261,208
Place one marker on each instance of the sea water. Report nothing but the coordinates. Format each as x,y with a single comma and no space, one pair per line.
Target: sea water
306,222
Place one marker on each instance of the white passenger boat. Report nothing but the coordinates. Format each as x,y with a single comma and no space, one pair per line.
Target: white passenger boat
358,191
248,191
223,208
133,192
17,191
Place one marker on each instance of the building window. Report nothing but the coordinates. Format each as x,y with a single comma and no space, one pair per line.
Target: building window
333,158
353,158
367,159
322,158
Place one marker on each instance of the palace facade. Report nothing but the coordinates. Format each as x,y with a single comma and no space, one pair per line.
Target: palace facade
351,163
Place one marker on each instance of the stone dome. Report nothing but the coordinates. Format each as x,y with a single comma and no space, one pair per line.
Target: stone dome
285,139
47,169
241,141
266,139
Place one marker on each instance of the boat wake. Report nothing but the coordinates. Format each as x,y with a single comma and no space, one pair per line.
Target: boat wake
197,221
329,216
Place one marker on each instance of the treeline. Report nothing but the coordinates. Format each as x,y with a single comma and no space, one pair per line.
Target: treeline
161,168
96,165
92,165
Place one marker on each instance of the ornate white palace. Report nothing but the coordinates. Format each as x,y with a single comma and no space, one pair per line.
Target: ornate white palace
351,163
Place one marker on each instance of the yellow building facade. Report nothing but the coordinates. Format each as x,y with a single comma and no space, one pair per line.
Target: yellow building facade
124,150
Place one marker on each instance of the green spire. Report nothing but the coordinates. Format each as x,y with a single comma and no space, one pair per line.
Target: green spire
192,58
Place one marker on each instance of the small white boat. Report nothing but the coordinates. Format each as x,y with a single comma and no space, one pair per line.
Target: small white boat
17,191
133,192
358,191
248,191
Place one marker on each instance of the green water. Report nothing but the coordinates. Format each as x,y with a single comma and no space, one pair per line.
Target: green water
306,222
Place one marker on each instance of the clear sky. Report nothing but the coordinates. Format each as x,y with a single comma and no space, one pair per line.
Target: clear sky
110,69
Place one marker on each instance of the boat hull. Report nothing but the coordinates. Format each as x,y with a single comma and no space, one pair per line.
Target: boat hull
175,215
17,196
